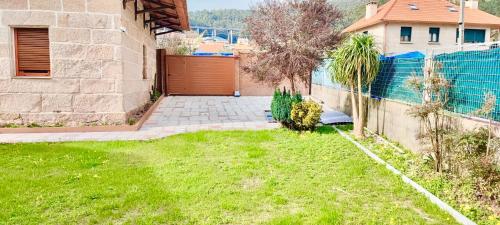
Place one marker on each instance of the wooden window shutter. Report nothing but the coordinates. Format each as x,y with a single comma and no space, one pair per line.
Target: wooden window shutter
32,51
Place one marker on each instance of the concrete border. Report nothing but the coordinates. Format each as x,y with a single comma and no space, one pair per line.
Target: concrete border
117,128
459,217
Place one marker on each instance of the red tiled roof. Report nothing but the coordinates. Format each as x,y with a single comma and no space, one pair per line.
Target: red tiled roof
429,11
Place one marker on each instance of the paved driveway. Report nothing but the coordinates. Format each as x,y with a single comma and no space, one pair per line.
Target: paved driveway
175,115
176,111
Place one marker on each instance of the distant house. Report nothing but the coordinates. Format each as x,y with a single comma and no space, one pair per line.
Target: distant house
80,62
416,25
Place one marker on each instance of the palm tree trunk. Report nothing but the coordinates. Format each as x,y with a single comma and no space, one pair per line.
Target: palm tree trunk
361,120
354,107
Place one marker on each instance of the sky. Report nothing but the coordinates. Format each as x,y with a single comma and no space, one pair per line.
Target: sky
195,5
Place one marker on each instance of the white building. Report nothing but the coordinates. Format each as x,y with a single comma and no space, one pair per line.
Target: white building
416,25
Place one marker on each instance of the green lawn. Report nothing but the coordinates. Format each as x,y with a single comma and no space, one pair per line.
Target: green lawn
234,177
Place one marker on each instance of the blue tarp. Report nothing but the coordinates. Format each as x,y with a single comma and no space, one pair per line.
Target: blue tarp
408,55
213,54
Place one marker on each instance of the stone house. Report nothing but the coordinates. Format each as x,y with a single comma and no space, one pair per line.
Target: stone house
80,62
417,25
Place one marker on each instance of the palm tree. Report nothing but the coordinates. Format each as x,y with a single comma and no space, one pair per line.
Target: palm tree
355,64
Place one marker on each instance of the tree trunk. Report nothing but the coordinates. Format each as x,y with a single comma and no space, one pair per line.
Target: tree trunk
489,138
438,159
361,120
437,129
292,85
354,107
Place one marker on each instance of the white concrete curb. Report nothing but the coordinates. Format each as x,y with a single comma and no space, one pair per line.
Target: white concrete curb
457,215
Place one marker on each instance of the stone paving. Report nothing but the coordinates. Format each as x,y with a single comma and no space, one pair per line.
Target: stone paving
175,115
183,110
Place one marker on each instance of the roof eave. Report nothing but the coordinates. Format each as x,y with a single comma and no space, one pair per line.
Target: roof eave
181,7
352,28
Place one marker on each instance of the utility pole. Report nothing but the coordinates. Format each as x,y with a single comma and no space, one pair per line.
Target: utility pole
231,37
461,26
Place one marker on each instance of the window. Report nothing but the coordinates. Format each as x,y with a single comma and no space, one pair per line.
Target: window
434,34
32,51
144,63
473,35
405,34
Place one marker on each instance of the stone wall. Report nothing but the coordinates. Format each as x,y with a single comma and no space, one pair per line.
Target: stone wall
390,118
96,68
134,87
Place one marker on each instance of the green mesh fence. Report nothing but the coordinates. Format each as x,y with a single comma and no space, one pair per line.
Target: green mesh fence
472,74
391,80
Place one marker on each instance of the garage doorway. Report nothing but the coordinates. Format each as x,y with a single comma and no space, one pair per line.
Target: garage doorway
200,75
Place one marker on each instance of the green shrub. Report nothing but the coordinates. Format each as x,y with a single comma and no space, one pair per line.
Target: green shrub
281,106
305,115
154,94
468,160
182,50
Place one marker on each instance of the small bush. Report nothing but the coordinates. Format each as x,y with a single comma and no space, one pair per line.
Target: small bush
305,115
131,121
281,106
154,94
182,50
467,160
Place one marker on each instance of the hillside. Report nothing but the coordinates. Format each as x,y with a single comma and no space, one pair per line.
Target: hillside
226,18
352,9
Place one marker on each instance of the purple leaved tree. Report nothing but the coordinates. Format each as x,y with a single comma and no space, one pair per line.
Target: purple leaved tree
293,36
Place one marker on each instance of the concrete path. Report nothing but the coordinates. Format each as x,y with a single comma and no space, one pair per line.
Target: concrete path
175,115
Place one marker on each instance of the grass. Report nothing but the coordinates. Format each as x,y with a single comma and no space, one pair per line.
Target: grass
458,194
233,177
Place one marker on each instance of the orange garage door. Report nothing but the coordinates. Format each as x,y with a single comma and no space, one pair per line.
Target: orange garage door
200,75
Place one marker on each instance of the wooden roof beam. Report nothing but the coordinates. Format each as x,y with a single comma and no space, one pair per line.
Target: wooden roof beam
167,18
147,10
162,4
166,32
170,26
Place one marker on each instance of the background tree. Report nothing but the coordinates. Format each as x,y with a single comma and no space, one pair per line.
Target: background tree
180,43
219,18
293,36
355,64
352,10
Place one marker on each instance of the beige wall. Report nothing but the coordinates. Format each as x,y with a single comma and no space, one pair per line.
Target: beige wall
88,84
378,32
388,37
389,118
250,87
